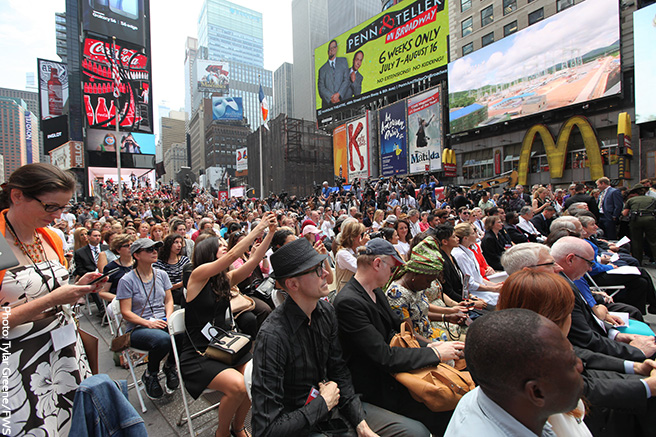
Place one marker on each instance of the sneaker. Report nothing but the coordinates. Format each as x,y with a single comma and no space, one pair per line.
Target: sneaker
151,384
172,380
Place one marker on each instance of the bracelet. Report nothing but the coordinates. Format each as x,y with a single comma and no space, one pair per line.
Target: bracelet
439,357
442,317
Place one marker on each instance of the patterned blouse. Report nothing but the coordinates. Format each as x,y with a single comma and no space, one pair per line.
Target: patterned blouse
408,304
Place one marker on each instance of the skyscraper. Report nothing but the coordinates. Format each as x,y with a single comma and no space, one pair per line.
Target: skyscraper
283,87
18,143
315,22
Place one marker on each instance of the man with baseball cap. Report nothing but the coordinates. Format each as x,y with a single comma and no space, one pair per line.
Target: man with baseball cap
301,385
366,326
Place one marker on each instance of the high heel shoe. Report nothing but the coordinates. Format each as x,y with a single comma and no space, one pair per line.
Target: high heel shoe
233,432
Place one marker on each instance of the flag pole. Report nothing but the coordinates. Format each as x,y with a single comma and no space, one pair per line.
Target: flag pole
116,112
261,171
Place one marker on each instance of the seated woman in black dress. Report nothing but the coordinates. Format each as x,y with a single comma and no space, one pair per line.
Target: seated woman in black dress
492,245
208,302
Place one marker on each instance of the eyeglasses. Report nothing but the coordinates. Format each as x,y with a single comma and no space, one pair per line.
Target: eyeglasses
50,207
318,269
590,263
126,246
551,264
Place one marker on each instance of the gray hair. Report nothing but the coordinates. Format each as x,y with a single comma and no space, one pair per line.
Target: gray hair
565,222
525,210
413,212
586,220
522,255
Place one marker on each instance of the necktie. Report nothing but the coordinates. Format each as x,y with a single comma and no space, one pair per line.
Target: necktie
94,249
601,200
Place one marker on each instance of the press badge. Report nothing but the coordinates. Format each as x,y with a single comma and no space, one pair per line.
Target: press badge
314,392
63,336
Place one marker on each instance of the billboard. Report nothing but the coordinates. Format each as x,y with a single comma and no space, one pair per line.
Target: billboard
124,19
69,155
227,108
375,57
393,140
213,76
98,86
340,162
644,35
357,138
571,57
53,88
425,131
242,159
99,140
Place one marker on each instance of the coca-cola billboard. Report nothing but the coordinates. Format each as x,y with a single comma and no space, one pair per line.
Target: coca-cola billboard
53,88
103,71
126,19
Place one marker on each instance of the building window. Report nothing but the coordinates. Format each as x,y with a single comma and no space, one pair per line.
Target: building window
510,28
535,16
465,5
563,4
467,48
487,39
509,6
467,26
487,16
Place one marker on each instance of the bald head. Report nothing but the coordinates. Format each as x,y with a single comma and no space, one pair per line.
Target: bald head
574,255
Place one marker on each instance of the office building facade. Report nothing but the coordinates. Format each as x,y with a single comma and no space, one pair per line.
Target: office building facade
18,127
283,90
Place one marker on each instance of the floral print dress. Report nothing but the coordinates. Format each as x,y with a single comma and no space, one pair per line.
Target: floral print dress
414,306
41,381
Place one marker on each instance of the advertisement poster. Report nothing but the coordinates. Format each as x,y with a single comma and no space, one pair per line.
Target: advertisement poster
55,132
568,58
227,108
53,88
393,140
242,159
339,152
213,76
99,140
124,19
425,132
98,82
498,160
405,41
644,35
357,138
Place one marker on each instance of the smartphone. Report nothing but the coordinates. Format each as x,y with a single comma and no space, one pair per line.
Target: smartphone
100,278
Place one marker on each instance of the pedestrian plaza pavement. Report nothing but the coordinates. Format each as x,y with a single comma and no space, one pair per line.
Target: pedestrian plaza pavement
163,414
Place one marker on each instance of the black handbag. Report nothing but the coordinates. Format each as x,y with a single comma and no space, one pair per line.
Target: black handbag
227,347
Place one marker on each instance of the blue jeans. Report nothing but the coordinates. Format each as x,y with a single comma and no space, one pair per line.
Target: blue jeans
100,409
157,342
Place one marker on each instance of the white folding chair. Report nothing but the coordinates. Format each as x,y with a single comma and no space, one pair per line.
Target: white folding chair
177,326
248,378
606,288
114,310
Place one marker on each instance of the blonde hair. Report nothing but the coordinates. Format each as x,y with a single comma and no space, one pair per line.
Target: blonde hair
350,231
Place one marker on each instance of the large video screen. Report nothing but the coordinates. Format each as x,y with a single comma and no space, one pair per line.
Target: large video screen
133,66
569,58
644,37
124,19
403,42
99,140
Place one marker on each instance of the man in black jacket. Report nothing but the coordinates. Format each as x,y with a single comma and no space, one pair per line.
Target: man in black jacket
86,260
366,326
543,220
580,196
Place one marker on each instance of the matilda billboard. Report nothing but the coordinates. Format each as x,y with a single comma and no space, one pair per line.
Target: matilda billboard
425,132
378,56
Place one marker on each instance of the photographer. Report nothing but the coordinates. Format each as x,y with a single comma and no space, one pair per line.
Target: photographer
426,199
406,201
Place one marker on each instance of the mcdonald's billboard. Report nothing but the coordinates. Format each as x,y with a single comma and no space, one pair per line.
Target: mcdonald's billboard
449,163
556,149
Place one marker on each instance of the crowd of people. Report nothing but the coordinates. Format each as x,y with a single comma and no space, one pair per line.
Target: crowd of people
501,286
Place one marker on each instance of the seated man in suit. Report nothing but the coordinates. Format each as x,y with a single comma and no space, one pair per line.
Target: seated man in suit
366,326
86,260
333,82
575,257
543,220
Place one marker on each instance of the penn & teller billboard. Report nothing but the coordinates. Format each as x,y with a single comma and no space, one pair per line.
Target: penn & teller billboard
381,54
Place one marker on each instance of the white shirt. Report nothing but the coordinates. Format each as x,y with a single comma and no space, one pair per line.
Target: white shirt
469,266
414,227
528,226
346,260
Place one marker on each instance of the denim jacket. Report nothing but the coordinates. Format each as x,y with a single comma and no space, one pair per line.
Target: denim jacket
101,409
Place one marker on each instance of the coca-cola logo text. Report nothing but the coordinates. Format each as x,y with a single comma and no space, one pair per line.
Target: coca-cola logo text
101,51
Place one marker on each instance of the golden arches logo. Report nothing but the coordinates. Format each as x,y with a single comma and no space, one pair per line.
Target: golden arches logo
556,150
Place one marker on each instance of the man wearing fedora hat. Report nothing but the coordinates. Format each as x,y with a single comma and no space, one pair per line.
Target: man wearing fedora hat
301,384
642,212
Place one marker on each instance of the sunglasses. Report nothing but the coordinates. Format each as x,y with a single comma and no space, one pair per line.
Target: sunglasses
318,269
50,207
126,246
149,250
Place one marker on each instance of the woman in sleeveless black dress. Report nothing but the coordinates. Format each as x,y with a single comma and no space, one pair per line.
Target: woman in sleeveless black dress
208,301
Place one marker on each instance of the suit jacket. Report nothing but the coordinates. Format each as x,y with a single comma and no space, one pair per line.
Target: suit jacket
613,204
365,330
588,334
355,88
582,197
452,278
493,248
84,262
516,234
331,82
541,224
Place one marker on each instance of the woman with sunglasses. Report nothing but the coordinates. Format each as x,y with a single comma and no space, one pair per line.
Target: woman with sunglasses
120,245
36,296
208,303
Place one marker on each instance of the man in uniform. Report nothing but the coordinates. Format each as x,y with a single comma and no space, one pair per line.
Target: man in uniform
642,210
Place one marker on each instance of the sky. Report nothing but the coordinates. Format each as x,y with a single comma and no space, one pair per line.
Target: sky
28,33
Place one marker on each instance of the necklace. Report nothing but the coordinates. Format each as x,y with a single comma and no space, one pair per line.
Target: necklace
33,251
